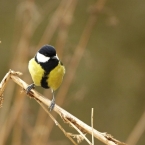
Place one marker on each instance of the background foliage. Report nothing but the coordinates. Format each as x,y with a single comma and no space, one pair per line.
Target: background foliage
107,73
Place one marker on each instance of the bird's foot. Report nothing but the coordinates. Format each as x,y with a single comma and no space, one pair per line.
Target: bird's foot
51,107
28,89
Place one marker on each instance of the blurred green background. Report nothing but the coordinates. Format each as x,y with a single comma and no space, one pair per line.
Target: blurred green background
110,74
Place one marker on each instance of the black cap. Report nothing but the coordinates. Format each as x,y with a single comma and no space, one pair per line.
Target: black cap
47,50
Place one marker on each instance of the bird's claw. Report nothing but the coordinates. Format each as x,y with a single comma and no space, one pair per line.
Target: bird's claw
51,107
28,89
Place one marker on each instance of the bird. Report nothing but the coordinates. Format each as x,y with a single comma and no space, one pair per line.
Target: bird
46,71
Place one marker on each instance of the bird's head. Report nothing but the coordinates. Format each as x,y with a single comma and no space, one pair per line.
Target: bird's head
46,53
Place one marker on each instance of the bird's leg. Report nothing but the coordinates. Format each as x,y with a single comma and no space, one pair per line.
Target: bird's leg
28,89
52,102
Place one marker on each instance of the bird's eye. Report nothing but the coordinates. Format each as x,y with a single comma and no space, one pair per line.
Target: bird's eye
46,54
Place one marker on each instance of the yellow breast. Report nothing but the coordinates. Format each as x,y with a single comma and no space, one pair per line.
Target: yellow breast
56,76
36,72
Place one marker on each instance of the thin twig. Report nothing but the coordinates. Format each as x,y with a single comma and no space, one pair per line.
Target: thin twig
56,122
78,131
92,114
4,83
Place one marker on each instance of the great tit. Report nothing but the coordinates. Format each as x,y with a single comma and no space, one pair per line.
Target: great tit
46,70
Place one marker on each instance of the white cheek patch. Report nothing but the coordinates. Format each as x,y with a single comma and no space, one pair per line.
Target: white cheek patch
41,58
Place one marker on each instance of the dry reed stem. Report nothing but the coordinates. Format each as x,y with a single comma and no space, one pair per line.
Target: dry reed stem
64,28
46,9
83,135
56,122
103,137
54,22
17,135
41,119
19,58
78,53
22,46
92,115
12,116
137,131
4,83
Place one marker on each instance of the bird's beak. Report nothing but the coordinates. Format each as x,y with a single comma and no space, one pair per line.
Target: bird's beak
54,57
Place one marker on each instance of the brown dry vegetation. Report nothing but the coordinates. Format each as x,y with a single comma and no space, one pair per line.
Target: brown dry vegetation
102,48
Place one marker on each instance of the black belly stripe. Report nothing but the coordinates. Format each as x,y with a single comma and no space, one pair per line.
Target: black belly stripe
44,83
47,67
